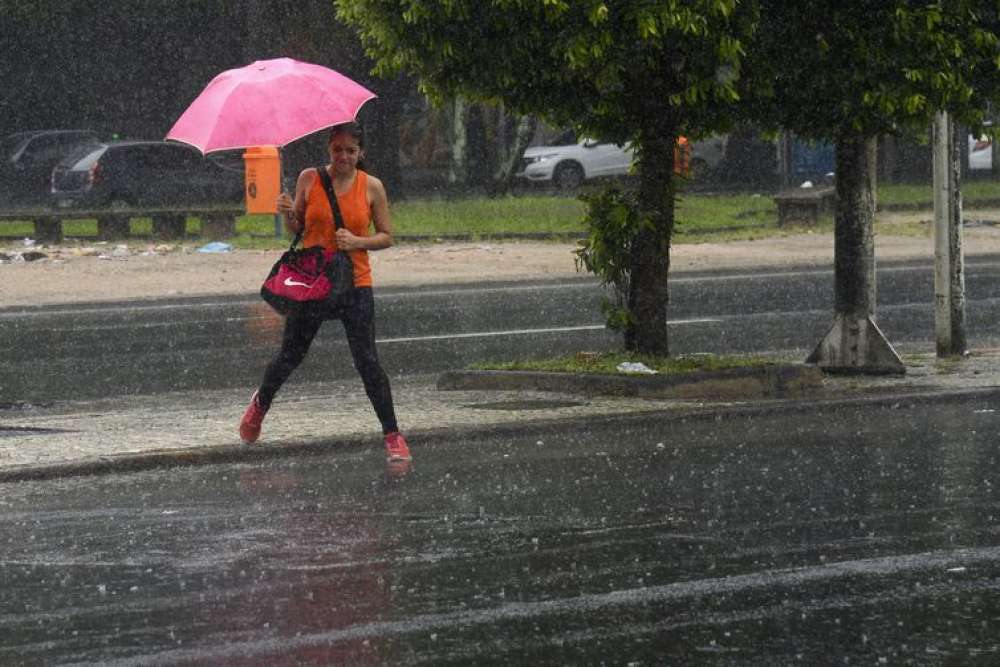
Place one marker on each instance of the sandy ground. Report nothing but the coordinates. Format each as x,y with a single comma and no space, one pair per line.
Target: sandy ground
115,271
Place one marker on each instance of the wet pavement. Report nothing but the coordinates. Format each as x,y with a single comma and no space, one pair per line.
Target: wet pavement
176,428
88,351
854,523
845,532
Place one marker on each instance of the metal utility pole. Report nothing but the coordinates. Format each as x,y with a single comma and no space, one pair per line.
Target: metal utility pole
949,264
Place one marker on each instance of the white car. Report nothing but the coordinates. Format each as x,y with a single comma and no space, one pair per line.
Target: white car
568,165
980,153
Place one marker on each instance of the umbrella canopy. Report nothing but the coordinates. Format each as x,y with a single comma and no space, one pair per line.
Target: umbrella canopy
268,103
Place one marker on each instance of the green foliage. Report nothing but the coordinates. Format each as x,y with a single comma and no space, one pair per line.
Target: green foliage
613,221
596,65
867,68
488,215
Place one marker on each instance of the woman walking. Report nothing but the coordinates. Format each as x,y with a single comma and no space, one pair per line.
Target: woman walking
363,203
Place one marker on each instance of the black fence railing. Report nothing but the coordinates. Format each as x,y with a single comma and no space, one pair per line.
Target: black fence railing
168,223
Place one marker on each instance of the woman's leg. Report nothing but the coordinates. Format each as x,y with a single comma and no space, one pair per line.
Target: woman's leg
300,330
359,325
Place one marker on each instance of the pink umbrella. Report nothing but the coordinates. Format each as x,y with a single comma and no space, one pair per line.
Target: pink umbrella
268,103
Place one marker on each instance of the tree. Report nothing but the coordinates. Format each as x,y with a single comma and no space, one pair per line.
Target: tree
626,71
848,72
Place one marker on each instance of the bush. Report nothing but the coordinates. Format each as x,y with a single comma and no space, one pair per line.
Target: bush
613,221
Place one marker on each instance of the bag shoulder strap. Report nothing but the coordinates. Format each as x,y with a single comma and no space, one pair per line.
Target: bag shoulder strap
338,218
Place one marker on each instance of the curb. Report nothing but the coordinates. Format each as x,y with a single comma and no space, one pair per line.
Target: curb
759,382
196,456
170,458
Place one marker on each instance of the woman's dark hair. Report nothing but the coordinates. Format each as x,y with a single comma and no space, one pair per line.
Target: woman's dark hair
351,129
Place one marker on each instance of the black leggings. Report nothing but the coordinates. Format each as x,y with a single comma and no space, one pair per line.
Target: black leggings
358,316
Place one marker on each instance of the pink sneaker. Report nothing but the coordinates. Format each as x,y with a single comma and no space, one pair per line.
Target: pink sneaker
396,448
252,420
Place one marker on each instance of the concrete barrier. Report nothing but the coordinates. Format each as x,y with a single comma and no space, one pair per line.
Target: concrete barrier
758,382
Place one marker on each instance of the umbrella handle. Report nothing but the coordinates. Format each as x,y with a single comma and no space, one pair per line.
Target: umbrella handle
278,225
281,171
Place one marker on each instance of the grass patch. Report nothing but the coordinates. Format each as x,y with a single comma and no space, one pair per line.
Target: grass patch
915,228
923,194
724,217
484,216
607,363
699,217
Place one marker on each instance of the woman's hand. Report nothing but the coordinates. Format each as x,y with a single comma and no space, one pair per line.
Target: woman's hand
286,207
285,204
347,240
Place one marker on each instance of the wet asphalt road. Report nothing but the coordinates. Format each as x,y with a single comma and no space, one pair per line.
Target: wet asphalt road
88,351
859,534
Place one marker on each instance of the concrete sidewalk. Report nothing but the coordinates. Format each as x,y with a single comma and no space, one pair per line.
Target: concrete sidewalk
135,432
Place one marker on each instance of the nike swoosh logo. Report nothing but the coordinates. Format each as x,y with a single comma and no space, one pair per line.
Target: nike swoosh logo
292,283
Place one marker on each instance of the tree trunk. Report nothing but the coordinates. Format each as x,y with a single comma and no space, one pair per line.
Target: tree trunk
458,169
477,145
854,227
783,150
648,290
513,151
854,343
994,159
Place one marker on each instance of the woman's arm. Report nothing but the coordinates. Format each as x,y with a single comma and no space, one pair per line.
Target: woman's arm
382,238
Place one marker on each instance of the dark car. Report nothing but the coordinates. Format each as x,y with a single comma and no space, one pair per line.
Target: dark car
27,159
144,174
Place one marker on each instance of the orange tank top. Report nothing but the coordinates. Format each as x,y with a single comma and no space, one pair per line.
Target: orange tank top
357,213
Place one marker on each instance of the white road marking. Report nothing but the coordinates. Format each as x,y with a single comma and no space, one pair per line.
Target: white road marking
524,332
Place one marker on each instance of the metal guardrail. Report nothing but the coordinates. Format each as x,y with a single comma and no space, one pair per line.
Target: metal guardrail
168,223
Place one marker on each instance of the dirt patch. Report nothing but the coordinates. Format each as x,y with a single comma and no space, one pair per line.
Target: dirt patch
104,272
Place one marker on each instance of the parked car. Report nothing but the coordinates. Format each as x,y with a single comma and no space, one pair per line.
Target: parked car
27,159
567,163
707,154
980,153
143,173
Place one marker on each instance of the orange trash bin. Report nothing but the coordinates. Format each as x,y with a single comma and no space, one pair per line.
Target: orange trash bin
682,157
263,178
